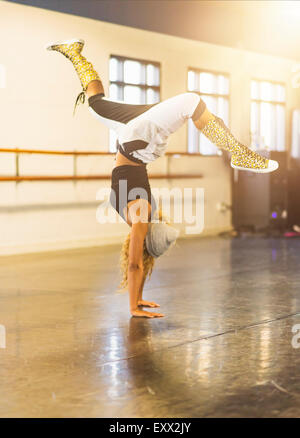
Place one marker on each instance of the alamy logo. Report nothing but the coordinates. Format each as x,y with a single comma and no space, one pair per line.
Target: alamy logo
187,204
2,336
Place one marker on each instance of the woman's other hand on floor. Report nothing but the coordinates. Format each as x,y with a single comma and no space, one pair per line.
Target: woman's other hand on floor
147,303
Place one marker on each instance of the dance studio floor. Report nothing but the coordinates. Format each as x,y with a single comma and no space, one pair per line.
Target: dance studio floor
224,348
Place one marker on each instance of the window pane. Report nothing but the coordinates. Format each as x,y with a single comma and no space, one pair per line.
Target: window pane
223,109
115,70
152,75
223,85
134,72
267,91
264,90
152,96
268,119
114,92
133,94
255,125
267,123
206,147
296,134
208,83
211,102
193,81
280,128
280,93
193,137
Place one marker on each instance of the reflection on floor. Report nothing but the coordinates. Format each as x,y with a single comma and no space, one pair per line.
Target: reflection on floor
224,348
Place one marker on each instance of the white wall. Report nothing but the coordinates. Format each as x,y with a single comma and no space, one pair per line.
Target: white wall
36,112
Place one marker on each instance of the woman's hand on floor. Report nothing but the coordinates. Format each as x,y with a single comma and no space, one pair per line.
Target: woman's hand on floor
147,303
145,314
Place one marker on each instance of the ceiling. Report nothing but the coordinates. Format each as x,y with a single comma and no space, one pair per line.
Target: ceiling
271,27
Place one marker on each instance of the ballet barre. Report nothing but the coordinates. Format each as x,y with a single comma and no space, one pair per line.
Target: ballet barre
75,177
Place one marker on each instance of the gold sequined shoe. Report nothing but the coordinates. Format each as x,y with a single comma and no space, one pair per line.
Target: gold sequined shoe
72,49
243,158
254,163
69,48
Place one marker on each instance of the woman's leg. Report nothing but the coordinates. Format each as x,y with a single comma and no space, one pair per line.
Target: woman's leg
95,87
205,117
242,158
169,115
72,49
89,78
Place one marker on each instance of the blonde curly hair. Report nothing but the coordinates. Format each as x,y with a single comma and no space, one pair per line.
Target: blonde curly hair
148,260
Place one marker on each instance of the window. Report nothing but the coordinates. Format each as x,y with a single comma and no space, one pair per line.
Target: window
213,87
296,134
133,81
267,115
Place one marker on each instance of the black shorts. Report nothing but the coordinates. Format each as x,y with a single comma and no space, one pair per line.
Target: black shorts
129,183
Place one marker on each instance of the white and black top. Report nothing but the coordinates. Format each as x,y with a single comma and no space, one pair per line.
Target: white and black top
143,130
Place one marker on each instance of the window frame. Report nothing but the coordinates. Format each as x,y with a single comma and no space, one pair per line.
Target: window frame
291,123
284,104
122,84
228,96
143,62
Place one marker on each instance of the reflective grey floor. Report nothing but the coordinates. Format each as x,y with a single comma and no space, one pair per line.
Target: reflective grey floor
223,349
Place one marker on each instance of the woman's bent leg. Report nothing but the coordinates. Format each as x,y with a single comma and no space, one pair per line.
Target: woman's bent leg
243,158
95,87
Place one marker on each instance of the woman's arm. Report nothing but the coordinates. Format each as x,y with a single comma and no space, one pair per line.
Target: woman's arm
141,290
145,303
136,270
135,263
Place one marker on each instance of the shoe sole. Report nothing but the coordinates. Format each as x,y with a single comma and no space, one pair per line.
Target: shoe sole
57,43
255,170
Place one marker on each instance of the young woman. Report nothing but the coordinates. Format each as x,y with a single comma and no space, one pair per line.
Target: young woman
142,132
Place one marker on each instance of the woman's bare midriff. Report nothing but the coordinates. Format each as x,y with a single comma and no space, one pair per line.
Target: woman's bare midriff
121,161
